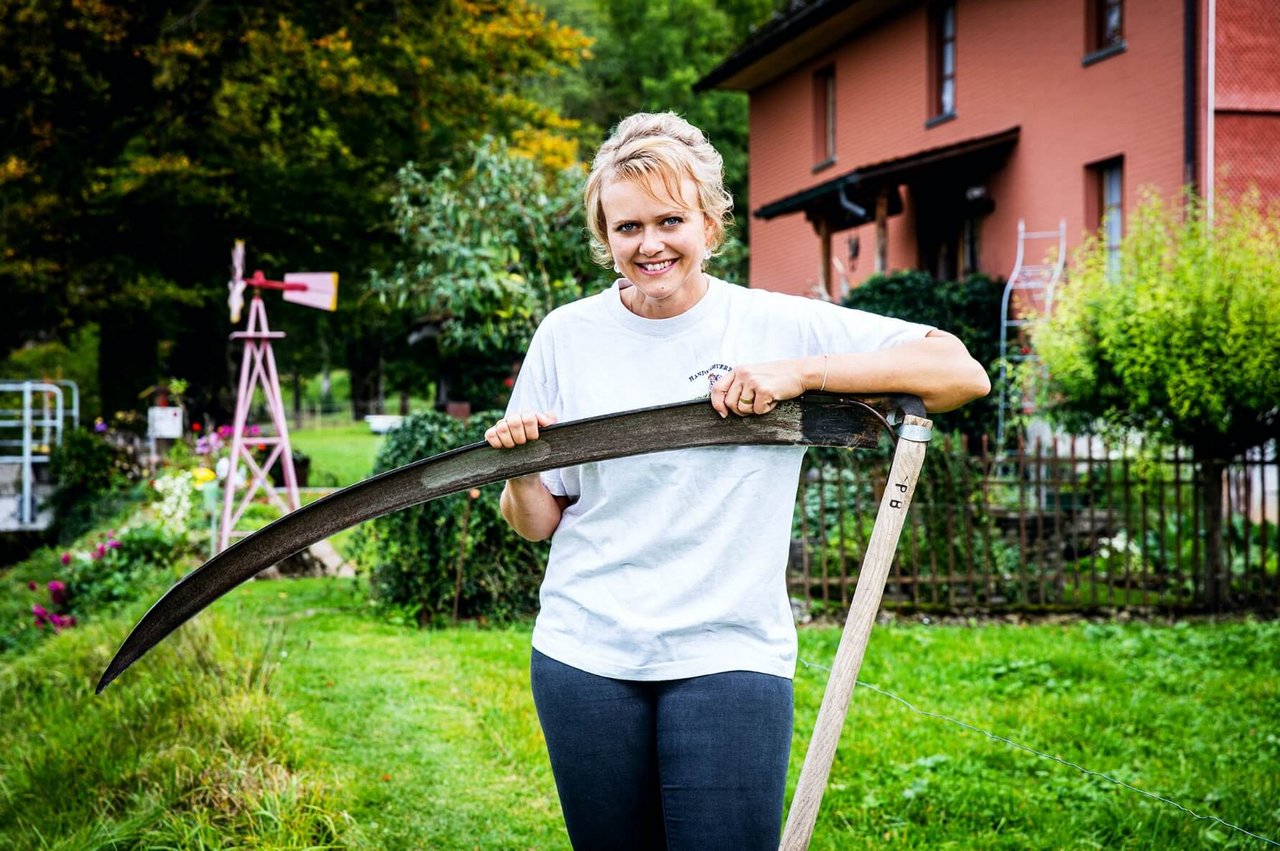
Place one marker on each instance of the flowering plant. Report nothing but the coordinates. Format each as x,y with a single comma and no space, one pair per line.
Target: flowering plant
57,619
176,504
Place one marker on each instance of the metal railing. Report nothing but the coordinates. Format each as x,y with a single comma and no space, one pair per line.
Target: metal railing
1074,526
28,435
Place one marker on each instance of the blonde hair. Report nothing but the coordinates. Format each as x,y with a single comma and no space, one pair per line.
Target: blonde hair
652,149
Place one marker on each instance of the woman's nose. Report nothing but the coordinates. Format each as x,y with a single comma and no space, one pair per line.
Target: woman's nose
651,244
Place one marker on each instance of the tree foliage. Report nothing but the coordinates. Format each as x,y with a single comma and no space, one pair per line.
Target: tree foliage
488,247
148,136
648,56
1176,337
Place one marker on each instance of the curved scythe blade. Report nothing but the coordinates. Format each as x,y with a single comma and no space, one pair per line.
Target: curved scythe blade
808,421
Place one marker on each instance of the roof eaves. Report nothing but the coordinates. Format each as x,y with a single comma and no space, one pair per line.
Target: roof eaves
799,17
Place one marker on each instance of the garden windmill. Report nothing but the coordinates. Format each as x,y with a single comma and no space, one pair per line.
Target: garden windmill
258,369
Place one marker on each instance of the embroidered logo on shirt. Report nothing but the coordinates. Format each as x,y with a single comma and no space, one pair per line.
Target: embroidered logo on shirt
712,374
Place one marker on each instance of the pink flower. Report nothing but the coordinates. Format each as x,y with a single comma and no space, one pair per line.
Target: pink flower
57,592
114,544
42,615
100,550
66,558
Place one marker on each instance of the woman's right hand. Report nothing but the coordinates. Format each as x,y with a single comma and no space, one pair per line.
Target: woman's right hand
532,510
510,432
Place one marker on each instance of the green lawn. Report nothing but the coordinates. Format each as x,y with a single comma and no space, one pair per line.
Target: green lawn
436,740
287,717
341,455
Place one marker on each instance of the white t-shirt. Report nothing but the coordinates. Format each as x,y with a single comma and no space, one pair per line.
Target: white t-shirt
673,564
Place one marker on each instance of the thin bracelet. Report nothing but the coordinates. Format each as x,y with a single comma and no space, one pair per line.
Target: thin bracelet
826,362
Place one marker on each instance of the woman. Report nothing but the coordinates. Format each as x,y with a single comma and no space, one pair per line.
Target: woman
664,648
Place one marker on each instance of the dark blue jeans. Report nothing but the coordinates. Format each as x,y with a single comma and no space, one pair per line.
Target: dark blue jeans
697,764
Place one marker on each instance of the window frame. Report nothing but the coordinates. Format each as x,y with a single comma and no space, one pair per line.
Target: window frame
824,117
942,63
1106,210
1099,42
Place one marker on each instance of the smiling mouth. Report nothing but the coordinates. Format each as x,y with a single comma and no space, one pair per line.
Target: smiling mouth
654,268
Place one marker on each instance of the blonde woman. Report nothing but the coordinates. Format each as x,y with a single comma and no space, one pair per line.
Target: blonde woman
664,648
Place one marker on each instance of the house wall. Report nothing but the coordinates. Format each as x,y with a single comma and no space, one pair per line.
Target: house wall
1017,63
1247,97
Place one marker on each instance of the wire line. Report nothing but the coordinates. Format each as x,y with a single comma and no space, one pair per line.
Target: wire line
1080,768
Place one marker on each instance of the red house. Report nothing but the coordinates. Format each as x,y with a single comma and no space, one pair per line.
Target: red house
889,134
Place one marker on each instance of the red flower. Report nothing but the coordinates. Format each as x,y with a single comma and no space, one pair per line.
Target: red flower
66,558
195,426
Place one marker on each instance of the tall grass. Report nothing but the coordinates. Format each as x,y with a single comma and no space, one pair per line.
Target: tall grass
189,750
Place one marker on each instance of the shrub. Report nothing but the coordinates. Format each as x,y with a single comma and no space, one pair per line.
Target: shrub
454,554
93,479
970,309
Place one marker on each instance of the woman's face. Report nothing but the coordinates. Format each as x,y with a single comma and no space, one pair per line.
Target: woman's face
657,244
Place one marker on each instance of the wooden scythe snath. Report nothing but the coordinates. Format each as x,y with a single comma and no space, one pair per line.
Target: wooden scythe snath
813,420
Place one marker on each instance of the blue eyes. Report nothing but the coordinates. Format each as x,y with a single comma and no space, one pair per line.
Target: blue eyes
668,222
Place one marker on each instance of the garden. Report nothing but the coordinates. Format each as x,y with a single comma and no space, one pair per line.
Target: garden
1077,647
392,710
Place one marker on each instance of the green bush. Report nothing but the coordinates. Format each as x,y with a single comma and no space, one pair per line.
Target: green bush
970,309
416,556
93,482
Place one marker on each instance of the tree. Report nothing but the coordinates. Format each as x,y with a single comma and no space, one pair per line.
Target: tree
489,246
149,136
1174,336
647,57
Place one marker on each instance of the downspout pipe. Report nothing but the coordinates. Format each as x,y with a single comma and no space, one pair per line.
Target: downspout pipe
1191,92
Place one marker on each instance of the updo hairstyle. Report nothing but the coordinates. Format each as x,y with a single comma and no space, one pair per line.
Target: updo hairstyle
658,149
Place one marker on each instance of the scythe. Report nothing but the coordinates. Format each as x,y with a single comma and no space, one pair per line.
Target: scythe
813,420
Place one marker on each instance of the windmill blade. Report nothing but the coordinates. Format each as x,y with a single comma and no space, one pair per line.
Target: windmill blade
235,296
321,289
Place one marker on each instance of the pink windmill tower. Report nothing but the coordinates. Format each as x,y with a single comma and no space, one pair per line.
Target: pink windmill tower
258,370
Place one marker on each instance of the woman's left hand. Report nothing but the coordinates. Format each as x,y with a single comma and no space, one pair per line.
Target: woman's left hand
757,388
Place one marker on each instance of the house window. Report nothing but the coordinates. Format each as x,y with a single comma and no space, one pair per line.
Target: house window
1107,191
942,27
824,117
1104,29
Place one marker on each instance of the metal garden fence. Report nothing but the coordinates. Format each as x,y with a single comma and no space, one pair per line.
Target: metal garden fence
1067,525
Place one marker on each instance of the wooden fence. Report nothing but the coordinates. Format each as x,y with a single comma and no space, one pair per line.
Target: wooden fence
1081,526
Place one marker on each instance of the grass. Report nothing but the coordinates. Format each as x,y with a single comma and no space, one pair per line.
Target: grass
189,756
288,717
435,739
341,455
